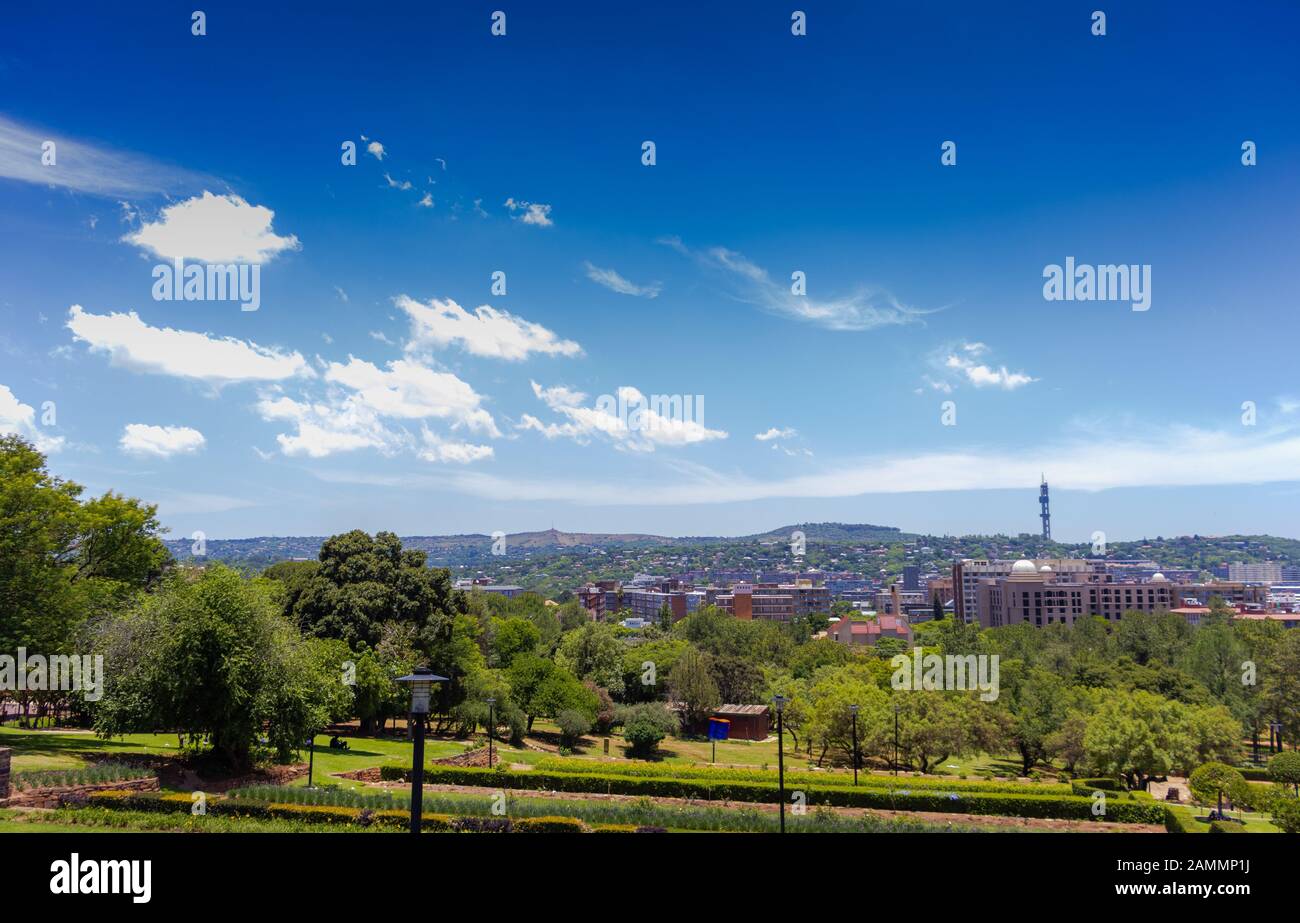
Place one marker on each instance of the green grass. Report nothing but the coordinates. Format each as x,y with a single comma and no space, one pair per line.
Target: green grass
39,750
61,750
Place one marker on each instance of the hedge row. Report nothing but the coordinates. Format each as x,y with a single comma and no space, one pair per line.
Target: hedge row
178,803
816,779
1088,786
1002,804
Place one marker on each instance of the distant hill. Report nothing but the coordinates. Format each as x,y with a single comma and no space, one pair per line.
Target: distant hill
472,546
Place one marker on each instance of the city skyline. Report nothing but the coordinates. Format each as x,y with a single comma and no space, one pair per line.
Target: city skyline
385,381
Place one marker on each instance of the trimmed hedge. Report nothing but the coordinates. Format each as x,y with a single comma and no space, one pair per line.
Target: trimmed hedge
1088,786
1069,807
438,823
797,778
1178,822
1226,826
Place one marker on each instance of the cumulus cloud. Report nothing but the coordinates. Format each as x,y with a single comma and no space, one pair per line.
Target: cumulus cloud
19,419
530,212
397,184
160,441
960,364
629,419
132,344
361,398
486,332
616,283
438,449
213,229
771,433
411,391
375,149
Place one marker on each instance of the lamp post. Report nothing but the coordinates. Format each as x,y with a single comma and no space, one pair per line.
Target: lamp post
421,683
491,702
311,757
780,755
853,710
895,738
1275,734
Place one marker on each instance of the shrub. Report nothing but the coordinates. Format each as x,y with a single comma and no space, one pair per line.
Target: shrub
645,725
1284,769
1286,815
573,724
548,825
1226,826
1088,786
394,773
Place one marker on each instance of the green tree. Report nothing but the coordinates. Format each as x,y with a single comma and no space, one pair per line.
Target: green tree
594,652
210,657
645,725
1214,780
1284,769
691,684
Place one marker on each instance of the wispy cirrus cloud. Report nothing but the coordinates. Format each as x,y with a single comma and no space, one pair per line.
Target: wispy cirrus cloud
89,168
613,281
866,308
1170,457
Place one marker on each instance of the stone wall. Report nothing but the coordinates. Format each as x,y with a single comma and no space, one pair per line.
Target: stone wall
49,797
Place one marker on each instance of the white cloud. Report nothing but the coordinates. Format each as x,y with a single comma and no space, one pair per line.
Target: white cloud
88,168
409,390
397,184
865,309
785,432
1173,457
133,344
341,424
160,441
955,364
17,418
427,201
616,283
533,212
629,419
375,149
362,396
213,229
437,449
487,332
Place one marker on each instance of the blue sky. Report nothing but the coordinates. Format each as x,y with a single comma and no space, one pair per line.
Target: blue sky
373,389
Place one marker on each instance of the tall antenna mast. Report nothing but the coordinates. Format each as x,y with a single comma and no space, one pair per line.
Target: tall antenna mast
1046,514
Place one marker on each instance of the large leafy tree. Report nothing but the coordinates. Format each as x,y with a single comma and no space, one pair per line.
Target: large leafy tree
364,581
63,560
210,657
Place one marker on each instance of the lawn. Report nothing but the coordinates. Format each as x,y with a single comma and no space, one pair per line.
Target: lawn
33,750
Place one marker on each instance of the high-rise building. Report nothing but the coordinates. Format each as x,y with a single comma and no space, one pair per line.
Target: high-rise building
1266,572
911,577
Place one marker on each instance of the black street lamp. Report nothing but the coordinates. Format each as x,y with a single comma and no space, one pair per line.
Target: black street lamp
895,738
311,757
421,683
780,755
853,709
491,724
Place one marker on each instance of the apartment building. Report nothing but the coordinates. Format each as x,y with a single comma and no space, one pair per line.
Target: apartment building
1038,595
967,574
857,633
